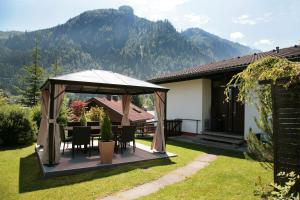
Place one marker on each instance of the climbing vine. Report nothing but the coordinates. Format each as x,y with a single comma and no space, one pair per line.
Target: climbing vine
268,68
250,90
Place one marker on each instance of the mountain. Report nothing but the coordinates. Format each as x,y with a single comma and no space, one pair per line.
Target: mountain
116,40
215,46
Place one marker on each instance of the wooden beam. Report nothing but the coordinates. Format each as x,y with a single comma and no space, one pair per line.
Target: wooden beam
165,122
51,125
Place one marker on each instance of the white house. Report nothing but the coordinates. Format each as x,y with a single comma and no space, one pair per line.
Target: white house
196,95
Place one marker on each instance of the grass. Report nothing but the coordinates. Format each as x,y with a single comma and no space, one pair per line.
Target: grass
230,175
226,178
21,178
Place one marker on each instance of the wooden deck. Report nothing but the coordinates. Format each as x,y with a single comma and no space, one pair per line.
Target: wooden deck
82,162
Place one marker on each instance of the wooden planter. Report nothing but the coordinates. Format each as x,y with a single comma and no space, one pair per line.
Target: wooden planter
106,150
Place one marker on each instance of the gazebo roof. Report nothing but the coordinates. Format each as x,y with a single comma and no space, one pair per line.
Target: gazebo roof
103,82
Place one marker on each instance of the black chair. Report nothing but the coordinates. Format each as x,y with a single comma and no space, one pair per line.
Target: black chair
94,123
95,133
71,124
63,137
116,131
81,136
127,136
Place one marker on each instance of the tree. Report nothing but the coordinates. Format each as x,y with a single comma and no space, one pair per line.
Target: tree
3,97
31,78
137,100
56,69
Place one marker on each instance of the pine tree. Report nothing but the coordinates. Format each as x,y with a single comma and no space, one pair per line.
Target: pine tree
136,100
56,69
31,79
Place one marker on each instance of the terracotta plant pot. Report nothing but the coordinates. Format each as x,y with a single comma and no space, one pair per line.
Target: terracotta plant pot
106,151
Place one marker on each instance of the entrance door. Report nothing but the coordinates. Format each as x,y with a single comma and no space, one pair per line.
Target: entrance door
226,116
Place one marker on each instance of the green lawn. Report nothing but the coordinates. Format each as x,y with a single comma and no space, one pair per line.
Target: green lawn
226,178
230,175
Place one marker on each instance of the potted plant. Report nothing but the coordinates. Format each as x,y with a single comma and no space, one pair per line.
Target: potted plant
106,144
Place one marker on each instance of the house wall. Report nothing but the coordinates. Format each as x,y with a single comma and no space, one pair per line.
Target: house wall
250,114
189,100
192,100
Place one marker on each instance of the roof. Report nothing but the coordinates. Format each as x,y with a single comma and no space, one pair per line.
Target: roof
103,82
135,112
233,64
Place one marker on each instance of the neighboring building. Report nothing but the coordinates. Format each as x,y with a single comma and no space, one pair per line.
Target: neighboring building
113,107
198,94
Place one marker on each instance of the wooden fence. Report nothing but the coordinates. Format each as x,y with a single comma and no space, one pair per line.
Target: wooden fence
286,129
172,127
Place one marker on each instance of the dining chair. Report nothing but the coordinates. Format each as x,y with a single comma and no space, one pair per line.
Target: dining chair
116,132
127,135
71,124
81,136
63,138
95,133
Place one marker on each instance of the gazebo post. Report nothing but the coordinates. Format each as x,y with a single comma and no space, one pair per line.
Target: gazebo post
51,123
165,117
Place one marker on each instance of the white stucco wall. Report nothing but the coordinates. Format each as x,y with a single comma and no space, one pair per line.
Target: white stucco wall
192,100
189,100
250,114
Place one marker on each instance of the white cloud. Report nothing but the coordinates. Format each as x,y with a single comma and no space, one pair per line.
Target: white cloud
196,20
263,42
236,35
245,20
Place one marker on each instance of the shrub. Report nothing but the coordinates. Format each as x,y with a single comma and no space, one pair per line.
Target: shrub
77,107
95,114
3,97
16,126
63,115
106,129
275,191
36,114
83,120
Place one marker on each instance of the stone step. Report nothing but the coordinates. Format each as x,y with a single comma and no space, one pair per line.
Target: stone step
221,139
227,135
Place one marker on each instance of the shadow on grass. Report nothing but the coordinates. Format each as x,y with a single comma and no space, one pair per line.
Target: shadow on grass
31,179
14,147
207,149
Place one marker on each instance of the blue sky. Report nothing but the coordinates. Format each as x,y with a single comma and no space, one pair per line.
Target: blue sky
260,24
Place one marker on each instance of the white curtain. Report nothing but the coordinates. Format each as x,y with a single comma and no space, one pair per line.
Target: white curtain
58,100
158,143
125,106
43,130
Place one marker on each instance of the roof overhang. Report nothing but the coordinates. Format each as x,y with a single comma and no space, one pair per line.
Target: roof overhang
206,74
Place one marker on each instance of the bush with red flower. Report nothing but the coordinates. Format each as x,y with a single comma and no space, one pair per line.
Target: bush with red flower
77,108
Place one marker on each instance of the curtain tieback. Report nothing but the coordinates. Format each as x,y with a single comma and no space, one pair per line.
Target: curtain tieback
51,121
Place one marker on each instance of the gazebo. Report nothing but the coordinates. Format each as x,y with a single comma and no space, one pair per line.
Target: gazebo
94,82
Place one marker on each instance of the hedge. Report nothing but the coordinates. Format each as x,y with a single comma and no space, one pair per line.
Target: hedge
16,126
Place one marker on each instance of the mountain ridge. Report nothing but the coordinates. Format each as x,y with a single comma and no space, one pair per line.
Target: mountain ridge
116,40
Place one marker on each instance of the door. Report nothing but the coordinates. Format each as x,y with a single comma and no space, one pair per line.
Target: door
226,116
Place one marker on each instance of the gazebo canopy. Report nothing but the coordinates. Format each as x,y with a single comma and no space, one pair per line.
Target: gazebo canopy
94,82
104,82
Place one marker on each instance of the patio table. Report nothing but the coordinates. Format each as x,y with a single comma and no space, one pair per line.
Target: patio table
69,128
